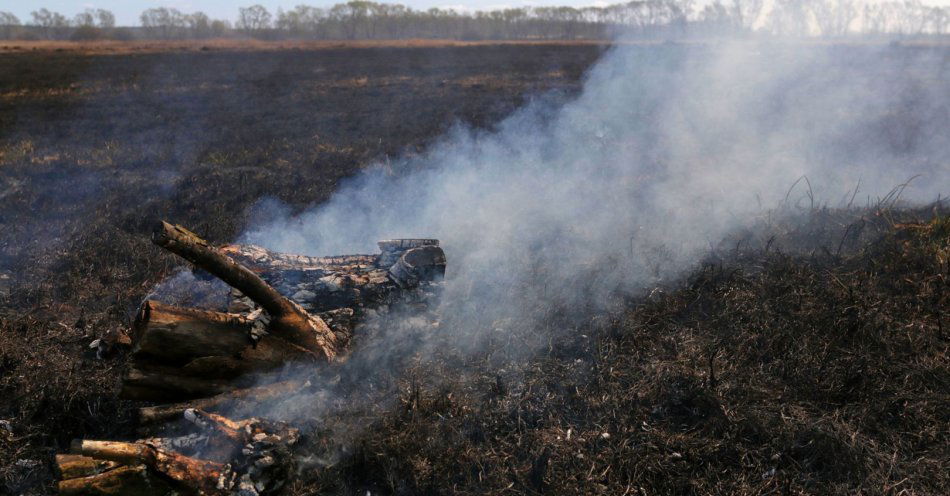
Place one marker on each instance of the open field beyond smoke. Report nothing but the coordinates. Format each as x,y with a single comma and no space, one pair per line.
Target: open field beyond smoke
805,351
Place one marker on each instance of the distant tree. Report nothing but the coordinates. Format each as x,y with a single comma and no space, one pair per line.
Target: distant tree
833,17
912,17
715,19
199,24
394,19
220,28
254,19
89,24
351,17
86,18
746,13
8,19
162,22
86,32
939,19
105,18
8,24
302,21
49,22
790,18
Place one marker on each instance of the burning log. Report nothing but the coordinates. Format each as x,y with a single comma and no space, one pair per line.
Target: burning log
180,335
73,466
286,308
152,414
182,353
247,457
229,436
158,383
120,481
326,283
199,475
287,319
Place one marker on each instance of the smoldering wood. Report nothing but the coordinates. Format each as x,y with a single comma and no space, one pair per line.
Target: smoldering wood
321,284
153,414
73,466
150,382
287,319
239,431
176,335
184,353
121,481
250,456
211,360
417,265
199,475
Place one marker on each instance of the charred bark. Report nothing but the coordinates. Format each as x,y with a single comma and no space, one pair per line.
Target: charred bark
199,475
176,335
121,481
152,414
288,320
73,466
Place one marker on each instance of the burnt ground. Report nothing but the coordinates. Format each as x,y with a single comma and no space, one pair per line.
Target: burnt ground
808,358
95,148
777,368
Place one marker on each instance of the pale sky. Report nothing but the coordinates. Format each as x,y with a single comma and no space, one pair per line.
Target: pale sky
127,11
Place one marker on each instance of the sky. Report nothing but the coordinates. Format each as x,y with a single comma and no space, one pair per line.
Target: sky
127,11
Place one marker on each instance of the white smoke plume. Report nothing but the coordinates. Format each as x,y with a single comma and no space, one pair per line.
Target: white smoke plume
667,147
666,150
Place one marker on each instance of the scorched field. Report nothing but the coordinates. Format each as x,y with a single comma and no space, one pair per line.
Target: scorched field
803,351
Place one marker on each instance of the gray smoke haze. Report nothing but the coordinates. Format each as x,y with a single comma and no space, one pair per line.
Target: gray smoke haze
666,151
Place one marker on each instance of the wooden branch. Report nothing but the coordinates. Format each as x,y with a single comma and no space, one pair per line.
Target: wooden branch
176,335
121,481
239,432
288,320
73,466
200,475
160,413
183,353
262,260
153,382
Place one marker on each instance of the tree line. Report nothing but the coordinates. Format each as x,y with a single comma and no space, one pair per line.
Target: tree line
645,19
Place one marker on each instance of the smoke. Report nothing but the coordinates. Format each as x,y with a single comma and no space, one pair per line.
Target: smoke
665,151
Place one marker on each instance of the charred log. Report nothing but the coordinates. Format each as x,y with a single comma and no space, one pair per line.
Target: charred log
161,413
160,383
121,481
199,475
288,320
211,358
176,335
73,466
321,284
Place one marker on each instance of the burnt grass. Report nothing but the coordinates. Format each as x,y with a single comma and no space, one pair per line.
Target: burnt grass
805,355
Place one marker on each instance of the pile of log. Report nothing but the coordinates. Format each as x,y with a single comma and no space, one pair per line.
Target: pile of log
222,457
285,313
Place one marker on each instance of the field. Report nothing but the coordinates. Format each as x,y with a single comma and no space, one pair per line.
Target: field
817,370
